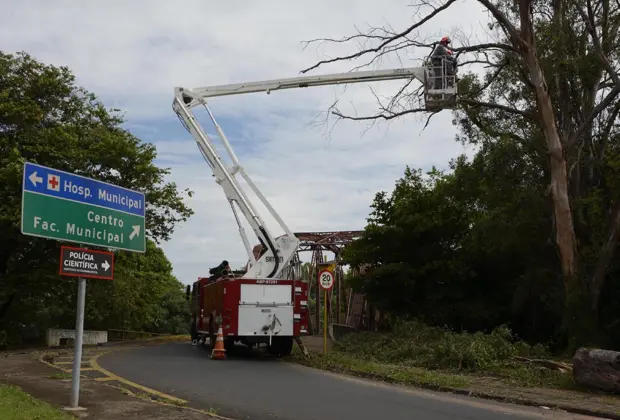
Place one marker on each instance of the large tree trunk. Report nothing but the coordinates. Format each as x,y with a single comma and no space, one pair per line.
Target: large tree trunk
564,232
580,325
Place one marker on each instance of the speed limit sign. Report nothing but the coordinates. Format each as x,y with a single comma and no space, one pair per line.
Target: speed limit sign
326,279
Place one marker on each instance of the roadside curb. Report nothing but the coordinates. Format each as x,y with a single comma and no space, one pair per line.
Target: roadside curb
124,385
465,392
168,404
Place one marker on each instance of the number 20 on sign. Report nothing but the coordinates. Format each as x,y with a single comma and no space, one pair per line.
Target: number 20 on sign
326,279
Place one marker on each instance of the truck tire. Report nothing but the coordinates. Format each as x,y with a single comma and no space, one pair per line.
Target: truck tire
212,333
229,344
193,331
281,346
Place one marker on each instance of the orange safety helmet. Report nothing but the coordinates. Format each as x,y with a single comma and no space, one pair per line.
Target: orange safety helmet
445,40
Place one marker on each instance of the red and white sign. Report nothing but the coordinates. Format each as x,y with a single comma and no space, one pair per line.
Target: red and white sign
53,182
326,279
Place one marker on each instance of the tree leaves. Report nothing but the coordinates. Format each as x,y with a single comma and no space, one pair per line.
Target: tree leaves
471,249
45,118
544,115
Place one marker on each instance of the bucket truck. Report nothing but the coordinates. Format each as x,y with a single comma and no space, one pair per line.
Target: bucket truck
269,302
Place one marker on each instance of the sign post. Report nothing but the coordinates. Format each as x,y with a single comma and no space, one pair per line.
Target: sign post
326,280
77,351
67,207
82,263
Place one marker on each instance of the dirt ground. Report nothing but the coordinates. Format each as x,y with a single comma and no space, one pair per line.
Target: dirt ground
102,401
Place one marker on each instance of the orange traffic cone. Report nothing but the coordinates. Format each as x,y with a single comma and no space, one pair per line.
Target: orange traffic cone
219,352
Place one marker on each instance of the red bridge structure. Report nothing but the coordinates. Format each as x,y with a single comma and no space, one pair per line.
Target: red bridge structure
347,307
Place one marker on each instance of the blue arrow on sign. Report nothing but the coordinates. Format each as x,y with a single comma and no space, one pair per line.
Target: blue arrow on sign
67,186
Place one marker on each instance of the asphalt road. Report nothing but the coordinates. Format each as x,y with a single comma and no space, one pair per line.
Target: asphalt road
257,387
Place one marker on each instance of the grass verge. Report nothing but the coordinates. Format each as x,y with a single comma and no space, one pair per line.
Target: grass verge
515,386
406,375
434,378
168,339
492,366
17,405
60,375
415,347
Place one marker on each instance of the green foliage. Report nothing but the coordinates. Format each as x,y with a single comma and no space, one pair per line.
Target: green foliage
469,249
415,344
45,118
399,242
144,296
15,404
406,375
477,248
579,84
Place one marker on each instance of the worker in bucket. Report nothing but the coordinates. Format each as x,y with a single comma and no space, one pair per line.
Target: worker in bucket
443,62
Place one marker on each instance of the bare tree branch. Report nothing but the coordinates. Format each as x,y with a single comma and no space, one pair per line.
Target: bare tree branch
589,20
504,22
486,46
489,82
380,115
471,102
428,120
595,112
391,49
359,35
387,41
399,94
607,129
488,63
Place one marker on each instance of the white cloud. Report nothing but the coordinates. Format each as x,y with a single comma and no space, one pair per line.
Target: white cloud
133,54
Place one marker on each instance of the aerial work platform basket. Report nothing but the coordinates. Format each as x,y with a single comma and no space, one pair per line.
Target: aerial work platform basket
440,86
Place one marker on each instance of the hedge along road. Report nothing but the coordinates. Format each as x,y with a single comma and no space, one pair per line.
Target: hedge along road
256,387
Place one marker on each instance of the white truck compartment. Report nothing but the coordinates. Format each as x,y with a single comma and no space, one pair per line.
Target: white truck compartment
266,309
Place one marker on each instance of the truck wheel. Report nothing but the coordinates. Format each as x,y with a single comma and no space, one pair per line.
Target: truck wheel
212,333
193,331
229,344
281,346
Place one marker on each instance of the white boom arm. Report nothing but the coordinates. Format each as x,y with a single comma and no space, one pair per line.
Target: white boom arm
200,94
281,250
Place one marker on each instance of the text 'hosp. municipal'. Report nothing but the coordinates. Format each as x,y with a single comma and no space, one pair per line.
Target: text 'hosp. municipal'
67,186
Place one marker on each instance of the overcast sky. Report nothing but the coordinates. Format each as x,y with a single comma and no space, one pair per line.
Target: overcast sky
133,53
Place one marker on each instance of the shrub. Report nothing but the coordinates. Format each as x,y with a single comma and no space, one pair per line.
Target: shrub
413,343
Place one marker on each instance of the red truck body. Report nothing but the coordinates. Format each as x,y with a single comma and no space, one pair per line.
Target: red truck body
251,311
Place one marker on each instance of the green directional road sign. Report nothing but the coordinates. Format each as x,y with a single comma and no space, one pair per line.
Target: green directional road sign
67,207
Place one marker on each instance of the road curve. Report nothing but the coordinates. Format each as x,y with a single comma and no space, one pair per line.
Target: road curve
255,387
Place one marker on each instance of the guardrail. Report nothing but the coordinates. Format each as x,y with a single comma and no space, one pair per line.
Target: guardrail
121,335
56,337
